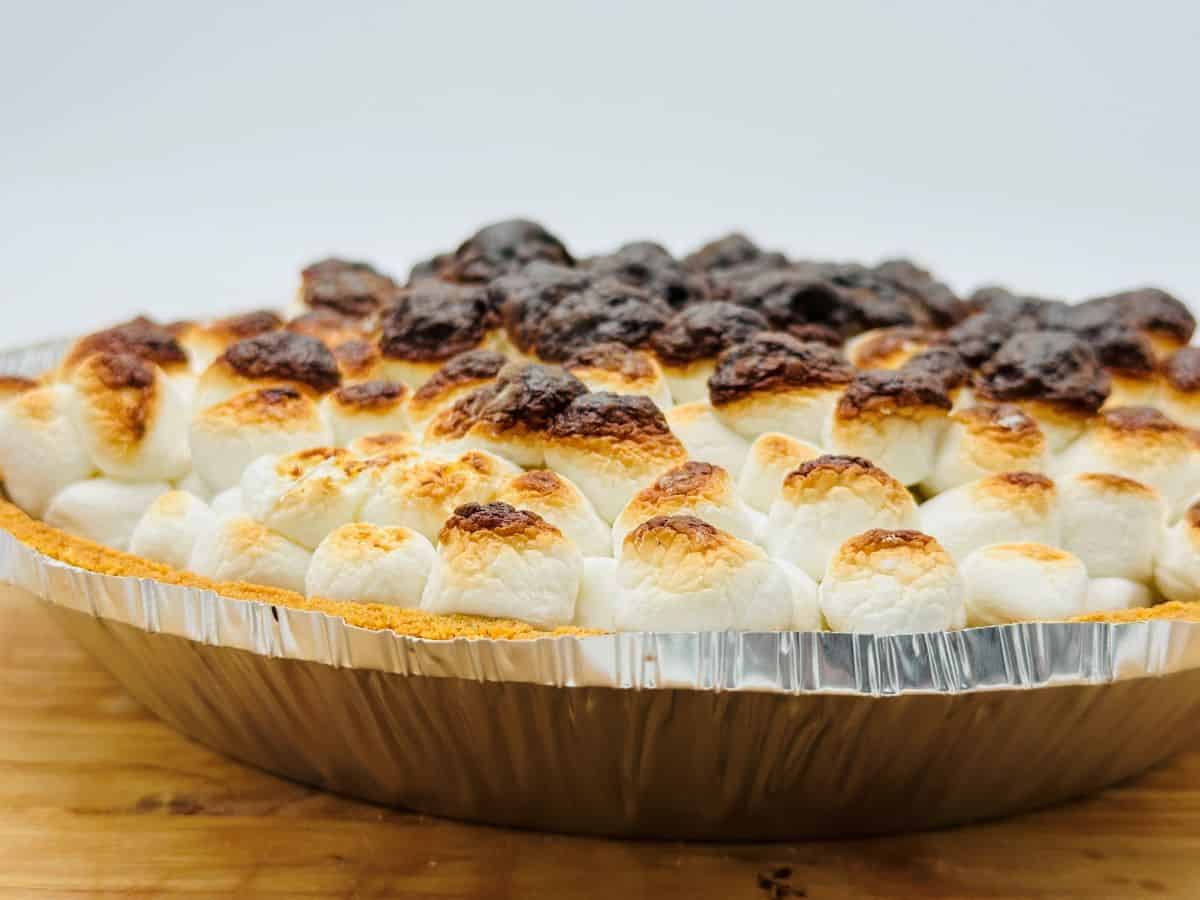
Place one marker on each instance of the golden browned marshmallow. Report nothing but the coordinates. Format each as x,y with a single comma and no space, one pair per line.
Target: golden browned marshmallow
275,359
1018,582
387,443
892,582
688,345
131,419
829,499
1180,395
772,456
431,323
13,386
359,360
982,440
363,563
616,368
611,446
775,383
1140,443
510,416
205,341
331,328
887,348
495,560
698,489
893,419
228,436
453,381
563,505
1009,507
421,494
368,407
678,573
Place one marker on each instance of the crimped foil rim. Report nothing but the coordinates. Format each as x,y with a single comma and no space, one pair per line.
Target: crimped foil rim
1008,657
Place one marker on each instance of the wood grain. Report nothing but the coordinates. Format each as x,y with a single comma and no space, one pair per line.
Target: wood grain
99,799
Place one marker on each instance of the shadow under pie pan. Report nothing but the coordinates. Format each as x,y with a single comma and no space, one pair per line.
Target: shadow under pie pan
719,736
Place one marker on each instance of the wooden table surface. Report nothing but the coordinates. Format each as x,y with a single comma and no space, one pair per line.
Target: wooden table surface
98,798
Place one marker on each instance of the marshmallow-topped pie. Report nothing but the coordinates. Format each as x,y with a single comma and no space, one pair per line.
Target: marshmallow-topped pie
518,440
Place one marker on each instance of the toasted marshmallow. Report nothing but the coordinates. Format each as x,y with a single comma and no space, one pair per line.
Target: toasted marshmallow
1007,508
140,337
688,345
1177,566
1018,582
1091,503
619,369
204,342
494,560
131,420
771,457
611,446
40,448
453,381
353,289
829,499
228,503
1180,394
275,359
693,488
366,563
892,582
806,608
368,407
887,348
432,322
305,495
359,360
893,419
227,437
982,440
706,437
510,416
422,494
170,527
1165,320
331,328
596,606
677,573
1112,594
1140,443
237,548
103,510
1052,375
386,443
563,505
13,386
774,382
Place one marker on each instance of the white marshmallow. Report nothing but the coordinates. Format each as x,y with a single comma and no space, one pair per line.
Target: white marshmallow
422,494
229,436
563,505
982,440
170,527
1019,582
133,422
678,573
771,457
596,606
366,563
40,449
304,495
369,407
239,549
1139,443
828,500
103,510
694,488
892,582
1092,505
228,503
195,485
1007,508
1112,594
1177,566
806,608
494,560
706,437
689,383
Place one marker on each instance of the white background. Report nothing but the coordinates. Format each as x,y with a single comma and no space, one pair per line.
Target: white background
177,158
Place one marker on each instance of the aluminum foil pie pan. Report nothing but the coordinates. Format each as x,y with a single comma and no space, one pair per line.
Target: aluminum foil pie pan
694,735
